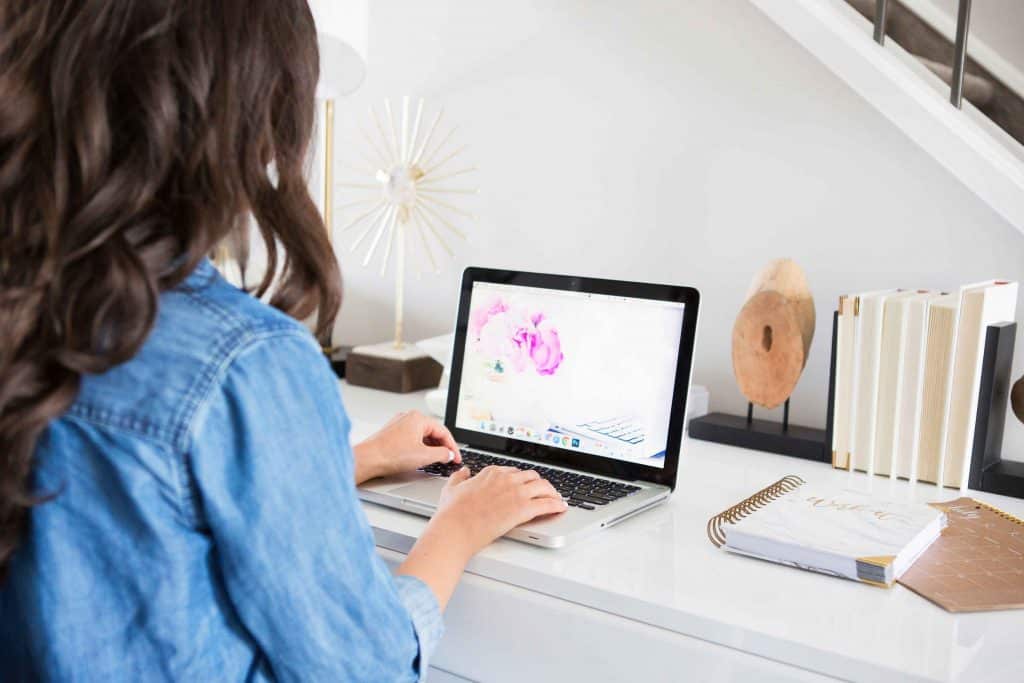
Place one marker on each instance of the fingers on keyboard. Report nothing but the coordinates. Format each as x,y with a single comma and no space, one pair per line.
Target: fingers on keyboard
579,490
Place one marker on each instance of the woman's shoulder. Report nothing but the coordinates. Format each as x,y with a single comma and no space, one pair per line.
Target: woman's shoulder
202,327
206,307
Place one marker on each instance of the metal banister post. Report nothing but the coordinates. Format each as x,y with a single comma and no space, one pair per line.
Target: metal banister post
881,7
963,19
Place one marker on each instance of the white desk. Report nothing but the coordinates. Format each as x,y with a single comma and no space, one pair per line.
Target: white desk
651,599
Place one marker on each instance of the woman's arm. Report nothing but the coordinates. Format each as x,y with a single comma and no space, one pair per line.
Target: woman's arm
473,512
271,477
270,472
409,441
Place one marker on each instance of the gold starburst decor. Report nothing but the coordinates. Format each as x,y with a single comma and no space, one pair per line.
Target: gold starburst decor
407,199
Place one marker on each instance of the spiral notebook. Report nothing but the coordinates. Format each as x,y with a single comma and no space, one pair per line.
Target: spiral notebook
842,533
977,564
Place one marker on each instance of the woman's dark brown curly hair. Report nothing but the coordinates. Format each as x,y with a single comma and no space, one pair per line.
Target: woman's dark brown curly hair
135,137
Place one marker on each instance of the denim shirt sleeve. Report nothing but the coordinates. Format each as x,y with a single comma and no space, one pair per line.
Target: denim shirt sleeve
272,481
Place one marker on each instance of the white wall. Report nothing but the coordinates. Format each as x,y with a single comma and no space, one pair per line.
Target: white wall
685,142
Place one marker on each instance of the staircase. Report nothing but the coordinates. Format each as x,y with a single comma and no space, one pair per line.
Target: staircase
953,108
937,53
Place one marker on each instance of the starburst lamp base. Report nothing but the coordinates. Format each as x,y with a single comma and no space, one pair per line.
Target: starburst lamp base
400,370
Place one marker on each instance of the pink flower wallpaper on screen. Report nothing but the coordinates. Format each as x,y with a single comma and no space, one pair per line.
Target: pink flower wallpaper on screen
515,339
543,364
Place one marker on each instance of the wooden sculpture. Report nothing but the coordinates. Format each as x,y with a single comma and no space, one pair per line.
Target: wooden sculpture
772,335
1017,399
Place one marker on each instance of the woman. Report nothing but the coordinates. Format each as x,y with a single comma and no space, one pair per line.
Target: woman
177,494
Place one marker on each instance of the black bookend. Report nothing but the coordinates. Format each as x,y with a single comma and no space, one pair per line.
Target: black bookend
830,410
774,437
989,472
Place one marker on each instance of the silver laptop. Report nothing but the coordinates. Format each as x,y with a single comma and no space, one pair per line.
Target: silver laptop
581,379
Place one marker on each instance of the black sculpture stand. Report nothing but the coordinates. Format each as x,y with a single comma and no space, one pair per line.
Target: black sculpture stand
989,472
774,437
763,435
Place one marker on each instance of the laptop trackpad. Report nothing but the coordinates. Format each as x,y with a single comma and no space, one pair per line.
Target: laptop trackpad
425,491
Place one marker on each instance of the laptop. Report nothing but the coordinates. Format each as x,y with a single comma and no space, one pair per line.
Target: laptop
581,379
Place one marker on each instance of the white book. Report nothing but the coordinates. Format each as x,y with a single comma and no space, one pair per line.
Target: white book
981,305
908,399
889,374
841,404
868,342
938,371
842,533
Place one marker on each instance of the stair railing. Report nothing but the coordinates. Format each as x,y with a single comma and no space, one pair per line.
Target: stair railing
881,6
963,20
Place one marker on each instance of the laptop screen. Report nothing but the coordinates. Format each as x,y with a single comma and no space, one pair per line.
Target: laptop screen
585,372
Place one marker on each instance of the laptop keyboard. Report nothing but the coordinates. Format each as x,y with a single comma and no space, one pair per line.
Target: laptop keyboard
578,490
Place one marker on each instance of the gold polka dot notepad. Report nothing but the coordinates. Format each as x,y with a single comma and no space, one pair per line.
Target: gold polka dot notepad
977,563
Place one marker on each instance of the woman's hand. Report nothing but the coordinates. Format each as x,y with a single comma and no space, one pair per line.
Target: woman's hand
473,512
479,509
410,441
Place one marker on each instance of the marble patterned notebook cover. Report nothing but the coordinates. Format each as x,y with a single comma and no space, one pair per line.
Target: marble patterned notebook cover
976,565
842,533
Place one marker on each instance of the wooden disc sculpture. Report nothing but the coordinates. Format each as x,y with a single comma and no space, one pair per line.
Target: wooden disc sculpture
1017,399
772,335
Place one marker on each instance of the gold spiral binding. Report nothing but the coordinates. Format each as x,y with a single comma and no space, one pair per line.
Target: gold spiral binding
1001,513
750,505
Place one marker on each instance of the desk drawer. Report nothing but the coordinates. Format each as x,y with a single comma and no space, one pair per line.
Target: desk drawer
497,632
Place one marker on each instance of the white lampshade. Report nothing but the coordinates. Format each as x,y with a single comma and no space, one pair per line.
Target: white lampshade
343,28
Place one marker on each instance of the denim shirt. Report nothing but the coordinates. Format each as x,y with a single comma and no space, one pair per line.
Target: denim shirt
206,525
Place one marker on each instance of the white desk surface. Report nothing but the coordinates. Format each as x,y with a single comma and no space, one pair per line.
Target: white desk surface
660,569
